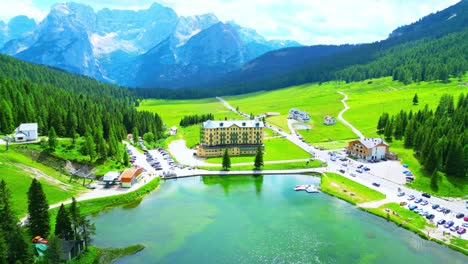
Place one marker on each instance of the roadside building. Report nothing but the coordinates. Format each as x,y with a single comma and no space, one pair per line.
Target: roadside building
299,115
130,176
110,178
173,131
240,137
368,148
26,132
329,120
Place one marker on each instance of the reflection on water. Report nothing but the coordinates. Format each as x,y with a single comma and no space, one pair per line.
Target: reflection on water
238,181
258,220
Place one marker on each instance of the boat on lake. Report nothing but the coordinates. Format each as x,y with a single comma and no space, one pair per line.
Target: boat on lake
302,187
312,189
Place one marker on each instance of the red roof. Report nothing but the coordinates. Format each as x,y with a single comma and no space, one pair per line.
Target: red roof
129,174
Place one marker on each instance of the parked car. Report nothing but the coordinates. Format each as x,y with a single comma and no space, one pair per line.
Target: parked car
360,166
465,224
344,164
430,216
435,206
465,219
333,159
366,169
459,215
401,194
412,207
342,171
418,200
446,211
426,195
353,175
424,202
454,228
449,224
461,231
411,197
376,184
441,222
359,170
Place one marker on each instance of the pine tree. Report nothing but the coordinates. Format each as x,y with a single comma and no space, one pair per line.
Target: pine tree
455,159
63,225
54,251
259,158
3,248
126,159
415,99
17,248
135,135
38,214
86,230
226,160
388,131
75,217
90,147
434,179
409,135
430,163
52,141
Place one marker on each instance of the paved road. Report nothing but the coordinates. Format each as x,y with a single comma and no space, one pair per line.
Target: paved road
340,116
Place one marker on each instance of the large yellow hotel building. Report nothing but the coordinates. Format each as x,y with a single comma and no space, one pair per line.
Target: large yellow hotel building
240,137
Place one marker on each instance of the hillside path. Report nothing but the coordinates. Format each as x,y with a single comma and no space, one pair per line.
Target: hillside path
340,116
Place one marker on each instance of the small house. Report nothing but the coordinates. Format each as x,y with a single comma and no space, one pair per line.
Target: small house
329,120
173,131
299,115
71,249
130,176
26,132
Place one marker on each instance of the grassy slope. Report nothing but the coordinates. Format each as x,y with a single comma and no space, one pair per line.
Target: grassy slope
15,169
335,184
279,166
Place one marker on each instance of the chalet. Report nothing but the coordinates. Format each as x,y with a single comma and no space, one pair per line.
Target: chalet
329,120
130,176
26,132
368,148
173,131
299,115
240,137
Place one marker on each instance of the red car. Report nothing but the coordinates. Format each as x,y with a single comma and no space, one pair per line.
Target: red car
466,218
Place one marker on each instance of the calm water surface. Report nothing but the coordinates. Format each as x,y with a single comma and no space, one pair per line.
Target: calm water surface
258,220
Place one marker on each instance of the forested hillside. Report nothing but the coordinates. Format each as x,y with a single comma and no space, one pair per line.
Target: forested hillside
439,138
72,105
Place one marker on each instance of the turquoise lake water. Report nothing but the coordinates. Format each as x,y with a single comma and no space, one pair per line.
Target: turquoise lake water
258,220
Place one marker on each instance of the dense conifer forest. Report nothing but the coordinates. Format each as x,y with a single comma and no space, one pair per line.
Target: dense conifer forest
70,106
439,138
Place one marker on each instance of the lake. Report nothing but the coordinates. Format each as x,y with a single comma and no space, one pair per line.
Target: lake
244,219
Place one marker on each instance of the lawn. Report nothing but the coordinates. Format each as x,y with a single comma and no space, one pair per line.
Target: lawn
275,149
275,166
318,100
172,111
18,170
348,190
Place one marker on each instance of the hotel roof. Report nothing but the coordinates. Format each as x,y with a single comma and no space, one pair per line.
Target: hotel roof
229,123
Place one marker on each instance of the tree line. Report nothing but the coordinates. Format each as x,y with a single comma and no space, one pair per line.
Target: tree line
71,106
195,119
439,138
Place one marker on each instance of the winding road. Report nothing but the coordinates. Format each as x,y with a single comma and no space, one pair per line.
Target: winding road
340,116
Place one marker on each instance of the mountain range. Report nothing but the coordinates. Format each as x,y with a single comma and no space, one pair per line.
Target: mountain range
145,48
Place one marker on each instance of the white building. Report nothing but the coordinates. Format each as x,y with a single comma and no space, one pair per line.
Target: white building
173,131
299,115
368,148
26,132
329,120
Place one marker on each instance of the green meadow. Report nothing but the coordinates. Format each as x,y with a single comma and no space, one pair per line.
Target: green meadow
18,170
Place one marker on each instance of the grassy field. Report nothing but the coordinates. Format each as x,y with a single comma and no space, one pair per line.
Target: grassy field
172,111
275,149
18,170
275,166
348,190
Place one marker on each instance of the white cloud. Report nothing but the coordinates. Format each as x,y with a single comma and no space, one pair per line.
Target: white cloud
11,8
307,21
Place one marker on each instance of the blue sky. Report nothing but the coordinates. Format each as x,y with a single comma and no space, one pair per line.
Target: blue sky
307,21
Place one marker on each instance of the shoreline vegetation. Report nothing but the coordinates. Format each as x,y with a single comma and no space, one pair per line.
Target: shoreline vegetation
341,187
